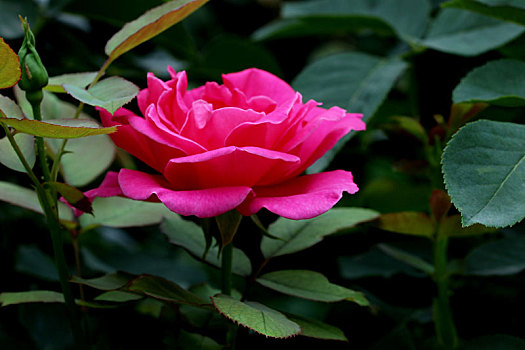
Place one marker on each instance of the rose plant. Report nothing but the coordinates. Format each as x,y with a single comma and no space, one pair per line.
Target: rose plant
201,215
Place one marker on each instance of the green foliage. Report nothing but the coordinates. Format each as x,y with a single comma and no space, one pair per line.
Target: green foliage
406,19
294,236
149,25
190,236
124,212
355,81
498,83
257,317
77,79
465,33
57,128
34,296
498,257
10,70
110,93
484,167
508,10
309,285
319,330
26,198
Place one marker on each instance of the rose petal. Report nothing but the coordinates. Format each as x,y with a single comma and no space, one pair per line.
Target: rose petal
229,166
108,188
155,154
301,198
201,203
151,95
320,136
212,127
154,129
273,130
255,82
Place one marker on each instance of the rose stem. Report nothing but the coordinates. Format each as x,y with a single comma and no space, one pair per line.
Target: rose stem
443,320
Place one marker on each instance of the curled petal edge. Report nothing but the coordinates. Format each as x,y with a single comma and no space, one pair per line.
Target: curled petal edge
301,198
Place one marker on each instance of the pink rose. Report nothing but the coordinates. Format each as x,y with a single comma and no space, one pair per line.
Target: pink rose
241,145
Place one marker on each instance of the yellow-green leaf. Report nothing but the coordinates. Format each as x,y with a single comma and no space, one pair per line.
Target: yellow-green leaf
9,66
33,296
150,24
58,128
409,223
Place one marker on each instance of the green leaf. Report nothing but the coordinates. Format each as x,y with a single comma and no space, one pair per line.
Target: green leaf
50,108
256,317
32,261
407,258
501,257
110,93
162,289
8,156
118,296
484,168
196,341
405,18
374,263
34,296
317,329
309,285
150,24
10,71
468,34
112,281
497,82
495,342
507,10
10,108
86,158
190,236
26,198
408,223
58,128
77,79
124,212
296,235
357,82
226,53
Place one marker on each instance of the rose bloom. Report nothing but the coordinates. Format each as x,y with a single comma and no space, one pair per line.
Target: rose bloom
242,145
